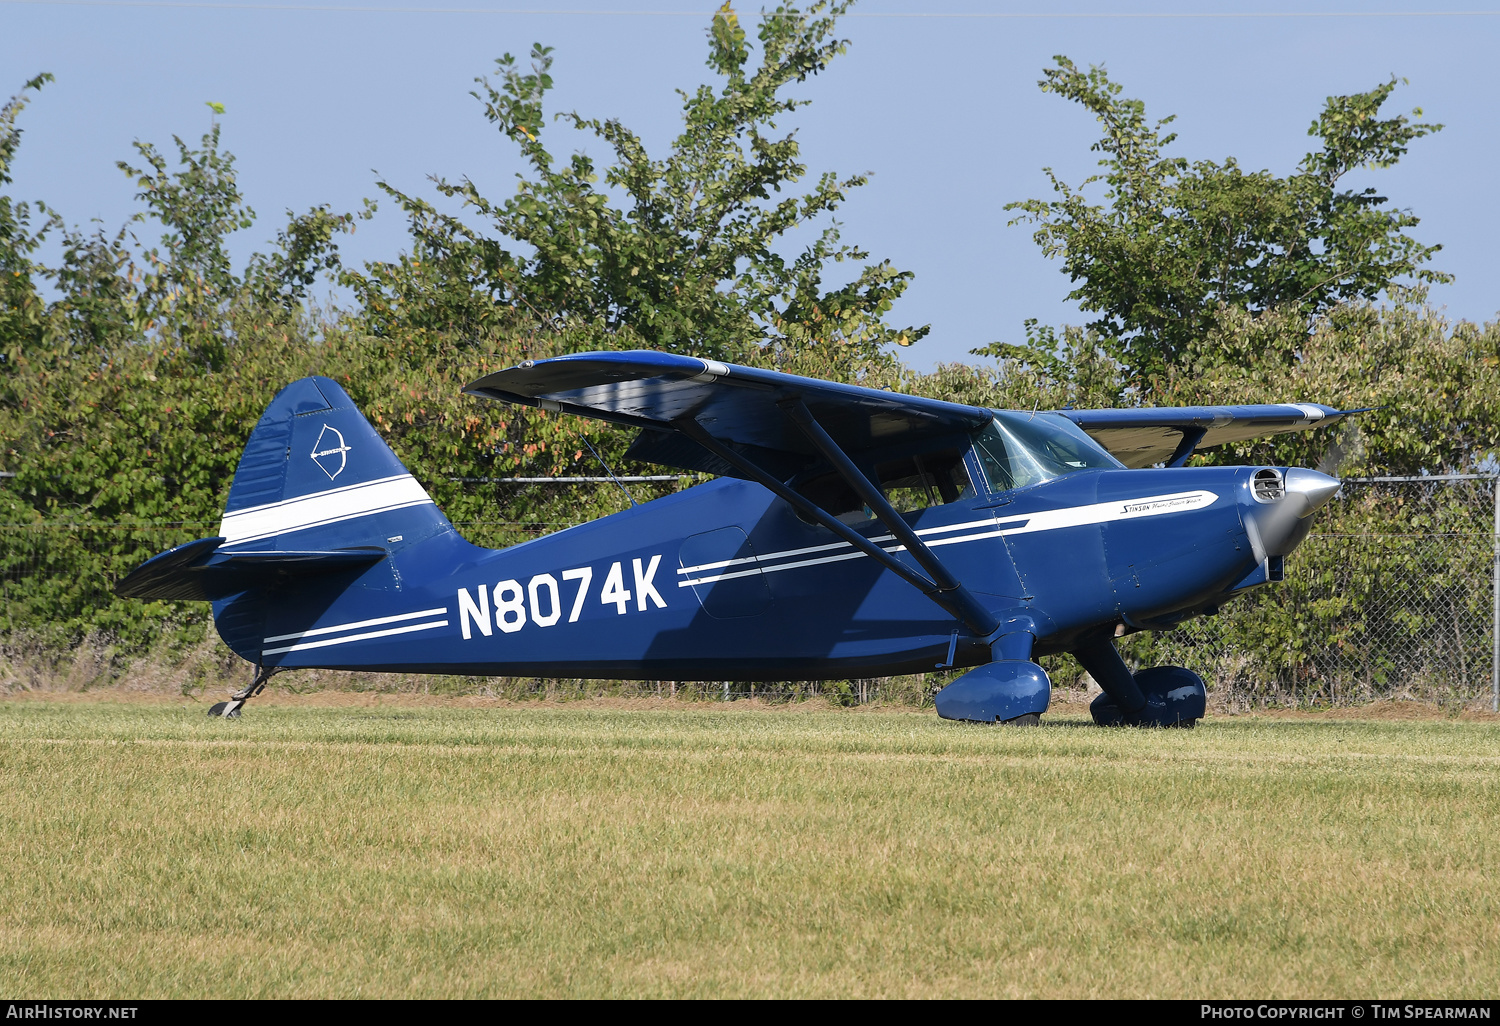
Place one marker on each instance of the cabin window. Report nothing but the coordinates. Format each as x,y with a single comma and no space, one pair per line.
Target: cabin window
833,494
911,483
1018,449
931,479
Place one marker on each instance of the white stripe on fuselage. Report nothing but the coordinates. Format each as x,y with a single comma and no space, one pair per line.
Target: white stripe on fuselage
1047,520
1108,512
881,539
355,637
378,621
316,509
322,508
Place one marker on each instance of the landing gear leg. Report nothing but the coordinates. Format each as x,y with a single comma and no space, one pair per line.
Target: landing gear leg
1122,701
230,710
1162,696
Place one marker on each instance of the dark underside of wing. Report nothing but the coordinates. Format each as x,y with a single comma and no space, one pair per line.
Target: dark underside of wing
1146,436
745,410
742,407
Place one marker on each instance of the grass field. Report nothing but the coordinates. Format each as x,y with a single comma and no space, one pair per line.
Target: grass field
450,849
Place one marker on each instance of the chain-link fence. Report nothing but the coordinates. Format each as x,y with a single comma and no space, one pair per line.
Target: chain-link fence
1396,593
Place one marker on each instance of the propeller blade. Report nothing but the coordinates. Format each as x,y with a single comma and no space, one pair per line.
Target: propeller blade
1348,448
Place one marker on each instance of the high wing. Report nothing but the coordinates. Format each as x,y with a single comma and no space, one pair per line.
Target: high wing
741,407
766,427
1146,436
775,428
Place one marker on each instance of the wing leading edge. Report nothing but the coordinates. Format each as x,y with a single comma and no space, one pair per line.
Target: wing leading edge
745,409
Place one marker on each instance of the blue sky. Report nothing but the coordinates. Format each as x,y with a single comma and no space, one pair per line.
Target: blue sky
943,111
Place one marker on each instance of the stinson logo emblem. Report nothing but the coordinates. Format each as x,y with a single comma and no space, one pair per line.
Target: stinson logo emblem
329,452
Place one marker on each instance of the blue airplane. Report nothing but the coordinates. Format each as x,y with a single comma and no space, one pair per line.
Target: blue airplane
850,532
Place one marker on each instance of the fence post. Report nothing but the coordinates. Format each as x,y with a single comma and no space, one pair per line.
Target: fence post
1495,616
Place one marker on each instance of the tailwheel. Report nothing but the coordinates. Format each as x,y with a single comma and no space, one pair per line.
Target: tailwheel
230,710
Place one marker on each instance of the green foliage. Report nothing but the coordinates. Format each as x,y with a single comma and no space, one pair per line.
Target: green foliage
1434,386
688,260
306,249
1178,240
128,398
22,311
189,281
1055,369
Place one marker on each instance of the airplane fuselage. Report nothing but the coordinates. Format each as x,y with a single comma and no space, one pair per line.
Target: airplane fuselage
725,581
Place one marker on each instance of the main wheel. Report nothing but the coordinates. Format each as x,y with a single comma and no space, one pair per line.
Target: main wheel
1105,712
1175,697
1029,720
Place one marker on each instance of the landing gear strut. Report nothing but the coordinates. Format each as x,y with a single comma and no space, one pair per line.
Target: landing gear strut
230,710
1162,696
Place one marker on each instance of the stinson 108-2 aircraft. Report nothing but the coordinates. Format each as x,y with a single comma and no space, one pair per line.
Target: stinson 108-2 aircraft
850,532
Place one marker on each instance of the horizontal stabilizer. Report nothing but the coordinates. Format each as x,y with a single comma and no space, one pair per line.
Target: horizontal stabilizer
200,571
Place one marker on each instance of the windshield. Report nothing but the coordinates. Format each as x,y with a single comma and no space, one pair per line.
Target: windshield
1021,449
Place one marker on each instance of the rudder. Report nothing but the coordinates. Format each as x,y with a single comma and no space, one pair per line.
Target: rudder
315,475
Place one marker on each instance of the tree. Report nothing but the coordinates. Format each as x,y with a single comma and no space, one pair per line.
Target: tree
1176,241
114,287
688,259
22,311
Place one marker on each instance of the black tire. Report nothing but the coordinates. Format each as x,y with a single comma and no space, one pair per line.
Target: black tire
1105,712
1028,720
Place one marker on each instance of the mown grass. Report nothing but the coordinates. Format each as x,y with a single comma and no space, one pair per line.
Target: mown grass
401,850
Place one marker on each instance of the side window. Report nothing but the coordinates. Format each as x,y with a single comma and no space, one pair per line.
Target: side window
910,484
832,493
932,479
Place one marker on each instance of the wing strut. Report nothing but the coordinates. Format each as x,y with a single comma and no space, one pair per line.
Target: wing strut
953,594
1190,438
971,614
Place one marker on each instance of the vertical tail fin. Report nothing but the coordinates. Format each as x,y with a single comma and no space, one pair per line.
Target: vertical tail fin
316,476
